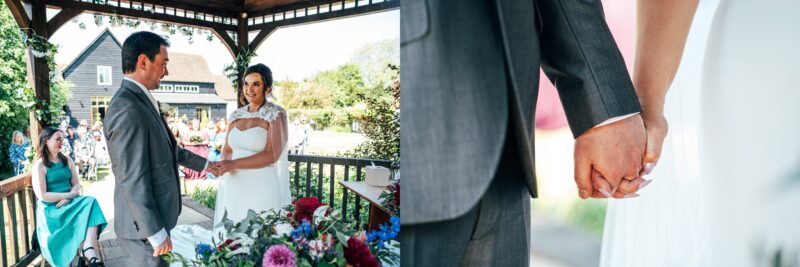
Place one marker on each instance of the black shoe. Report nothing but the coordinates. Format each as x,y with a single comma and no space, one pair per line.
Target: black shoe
91,262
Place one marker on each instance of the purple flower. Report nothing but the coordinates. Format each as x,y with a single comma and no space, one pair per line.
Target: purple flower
278,256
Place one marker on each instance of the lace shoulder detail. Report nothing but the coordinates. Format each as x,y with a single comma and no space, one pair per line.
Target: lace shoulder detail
268,112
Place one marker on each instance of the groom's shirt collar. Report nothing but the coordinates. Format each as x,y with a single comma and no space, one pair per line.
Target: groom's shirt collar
146,92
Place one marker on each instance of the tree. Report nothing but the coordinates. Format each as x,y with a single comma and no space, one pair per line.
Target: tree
16,96
13,112
382,123
372,60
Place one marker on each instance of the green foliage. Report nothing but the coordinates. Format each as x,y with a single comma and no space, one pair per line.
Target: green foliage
13,109
382,124
205,195
241,63
16,95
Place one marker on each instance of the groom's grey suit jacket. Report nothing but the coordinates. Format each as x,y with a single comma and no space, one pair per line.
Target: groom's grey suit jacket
470,74
144,159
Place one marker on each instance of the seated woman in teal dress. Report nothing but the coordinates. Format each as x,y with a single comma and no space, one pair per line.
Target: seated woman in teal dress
65,219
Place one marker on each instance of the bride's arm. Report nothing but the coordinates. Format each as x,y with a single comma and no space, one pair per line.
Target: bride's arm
276,142
662,29
226,149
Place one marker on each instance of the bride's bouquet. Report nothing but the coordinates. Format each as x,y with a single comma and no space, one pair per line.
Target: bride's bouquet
307,233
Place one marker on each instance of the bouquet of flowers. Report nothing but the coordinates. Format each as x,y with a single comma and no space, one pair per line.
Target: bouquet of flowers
390,198
307,233
196,139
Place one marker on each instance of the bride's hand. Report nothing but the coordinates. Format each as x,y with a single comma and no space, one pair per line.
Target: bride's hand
655,125
222,167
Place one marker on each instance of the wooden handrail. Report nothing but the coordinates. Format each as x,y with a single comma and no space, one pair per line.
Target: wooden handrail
15,184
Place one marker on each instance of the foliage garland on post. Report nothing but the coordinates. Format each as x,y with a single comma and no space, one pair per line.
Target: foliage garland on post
242,61
51,112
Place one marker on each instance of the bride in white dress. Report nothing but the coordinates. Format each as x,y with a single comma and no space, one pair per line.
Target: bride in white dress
254,163
725,190
254,158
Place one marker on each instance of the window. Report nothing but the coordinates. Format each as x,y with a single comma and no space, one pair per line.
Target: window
201,113
187,88
164,88
99,105
103,75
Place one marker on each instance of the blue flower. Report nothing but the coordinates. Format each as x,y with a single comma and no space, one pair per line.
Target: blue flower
395,221
204,250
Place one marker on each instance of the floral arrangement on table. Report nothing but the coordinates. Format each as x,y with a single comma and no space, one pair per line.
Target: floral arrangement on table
307,233
390,198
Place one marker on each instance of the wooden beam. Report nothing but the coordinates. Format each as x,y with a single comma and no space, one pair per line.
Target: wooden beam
295,6
261,36
338,14
59,19
191,7
137,14
18,11
227,41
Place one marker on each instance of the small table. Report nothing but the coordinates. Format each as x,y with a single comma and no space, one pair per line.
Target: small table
378,214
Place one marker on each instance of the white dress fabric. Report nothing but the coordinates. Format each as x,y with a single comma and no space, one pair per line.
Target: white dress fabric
257,189
750,138
723,183
260,189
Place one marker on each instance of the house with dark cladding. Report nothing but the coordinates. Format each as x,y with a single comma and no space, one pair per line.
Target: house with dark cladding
190,89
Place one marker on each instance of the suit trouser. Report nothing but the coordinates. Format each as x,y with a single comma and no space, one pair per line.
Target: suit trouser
496,232
139,253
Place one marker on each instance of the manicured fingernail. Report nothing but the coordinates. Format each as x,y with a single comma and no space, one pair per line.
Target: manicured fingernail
630,195
583,194
645,183
604,192
648,167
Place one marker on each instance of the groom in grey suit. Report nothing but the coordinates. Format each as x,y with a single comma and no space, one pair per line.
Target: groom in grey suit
470,76
144,155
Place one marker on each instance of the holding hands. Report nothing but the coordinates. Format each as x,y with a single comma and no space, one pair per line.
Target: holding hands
609,159
218,168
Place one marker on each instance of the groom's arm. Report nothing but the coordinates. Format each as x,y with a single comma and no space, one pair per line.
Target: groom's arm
580,57
191,160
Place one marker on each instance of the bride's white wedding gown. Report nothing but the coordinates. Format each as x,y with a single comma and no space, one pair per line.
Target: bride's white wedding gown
241,190
722,193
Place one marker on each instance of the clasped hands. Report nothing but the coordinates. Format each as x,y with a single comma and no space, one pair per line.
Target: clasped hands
612,161
218,168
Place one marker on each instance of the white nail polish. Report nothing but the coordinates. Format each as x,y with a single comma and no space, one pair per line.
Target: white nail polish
648,167
604,192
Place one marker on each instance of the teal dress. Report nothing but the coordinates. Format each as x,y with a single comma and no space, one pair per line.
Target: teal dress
61,230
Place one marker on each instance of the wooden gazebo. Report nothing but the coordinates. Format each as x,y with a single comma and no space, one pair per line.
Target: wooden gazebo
232,21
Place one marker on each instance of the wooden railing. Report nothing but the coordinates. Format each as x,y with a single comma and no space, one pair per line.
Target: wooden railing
319,176
17,203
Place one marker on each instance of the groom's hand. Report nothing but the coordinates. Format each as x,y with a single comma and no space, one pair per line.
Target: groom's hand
164,248
615,151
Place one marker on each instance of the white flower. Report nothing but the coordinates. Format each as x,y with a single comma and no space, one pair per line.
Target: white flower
319,214
317,249
283,229
163,108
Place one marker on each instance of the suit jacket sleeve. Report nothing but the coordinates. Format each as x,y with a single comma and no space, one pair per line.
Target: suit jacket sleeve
189,159
580,57
134,180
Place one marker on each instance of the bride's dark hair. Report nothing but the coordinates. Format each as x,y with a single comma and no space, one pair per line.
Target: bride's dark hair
266,79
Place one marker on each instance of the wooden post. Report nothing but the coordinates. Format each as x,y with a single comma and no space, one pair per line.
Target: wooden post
242,43
38,70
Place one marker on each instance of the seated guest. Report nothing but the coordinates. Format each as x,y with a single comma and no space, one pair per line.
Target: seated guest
66,222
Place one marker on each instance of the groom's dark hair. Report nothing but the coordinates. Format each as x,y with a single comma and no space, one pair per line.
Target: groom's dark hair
138,43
